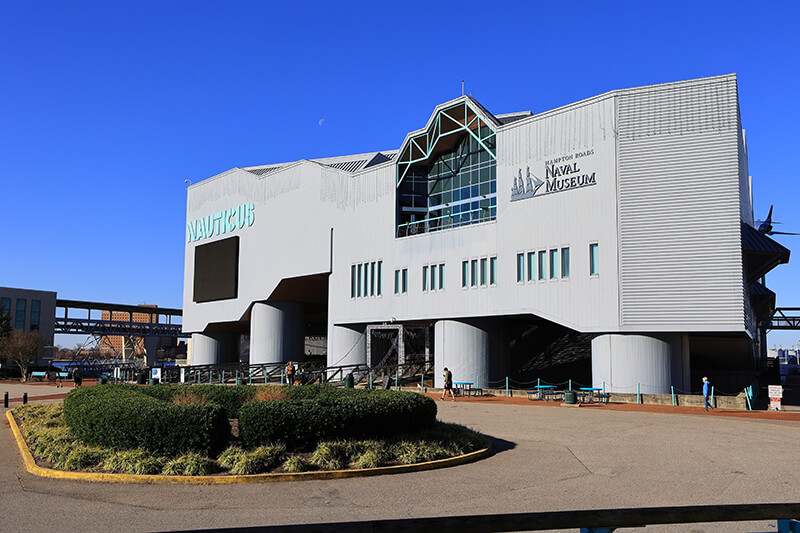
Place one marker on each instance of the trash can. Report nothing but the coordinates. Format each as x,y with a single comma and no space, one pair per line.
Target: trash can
102,380
141,378
570,397
153,381
348,381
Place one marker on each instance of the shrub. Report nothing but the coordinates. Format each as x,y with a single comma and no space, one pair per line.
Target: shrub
190,464
313,414
260,460
187,397
229,457
296,463
82,457
121,417
133,462
230,398
269,392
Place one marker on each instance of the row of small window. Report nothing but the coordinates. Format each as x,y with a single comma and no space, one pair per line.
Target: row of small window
366,279
544,264
21,308
479,272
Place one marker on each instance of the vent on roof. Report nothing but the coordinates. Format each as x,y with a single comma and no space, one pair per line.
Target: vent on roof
349,166
377,160
263,171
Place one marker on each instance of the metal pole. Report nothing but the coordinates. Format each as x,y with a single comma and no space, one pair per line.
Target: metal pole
638,396
223,377
712,396
5,400
570,384
506,386
673,395
604,389
210,376
396,380
422,381
477,384
283,375
24,398
370,379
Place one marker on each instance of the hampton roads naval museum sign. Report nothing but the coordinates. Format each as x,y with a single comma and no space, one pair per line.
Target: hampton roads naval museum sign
559,174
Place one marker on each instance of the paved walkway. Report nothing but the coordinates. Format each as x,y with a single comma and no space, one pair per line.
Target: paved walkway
547,458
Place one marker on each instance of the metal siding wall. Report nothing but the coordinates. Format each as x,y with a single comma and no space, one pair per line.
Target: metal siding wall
679,207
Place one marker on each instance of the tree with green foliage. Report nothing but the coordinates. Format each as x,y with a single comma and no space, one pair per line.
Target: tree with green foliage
21,347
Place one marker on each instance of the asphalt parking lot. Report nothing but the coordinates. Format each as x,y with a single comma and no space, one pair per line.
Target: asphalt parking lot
546,458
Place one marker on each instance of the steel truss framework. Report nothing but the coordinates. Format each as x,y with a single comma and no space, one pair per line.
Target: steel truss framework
458,118
785,318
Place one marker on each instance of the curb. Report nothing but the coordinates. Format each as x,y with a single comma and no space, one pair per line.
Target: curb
33,468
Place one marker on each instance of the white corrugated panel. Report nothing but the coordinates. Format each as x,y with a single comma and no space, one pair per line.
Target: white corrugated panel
679,207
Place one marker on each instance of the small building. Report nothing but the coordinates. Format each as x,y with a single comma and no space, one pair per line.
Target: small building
31,310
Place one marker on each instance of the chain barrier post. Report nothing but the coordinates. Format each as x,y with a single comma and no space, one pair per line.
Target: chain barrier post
422,381
5,400
506,386
673,396
24,398
570,384
712,397
638,394
397,379
370,379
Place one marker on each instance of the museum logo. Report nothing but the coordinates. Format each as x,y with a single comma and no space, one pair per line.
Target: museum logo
560,174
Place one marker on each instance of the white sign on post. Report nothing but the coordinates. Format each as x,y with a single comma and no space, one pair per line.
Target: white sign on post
183,375
775,393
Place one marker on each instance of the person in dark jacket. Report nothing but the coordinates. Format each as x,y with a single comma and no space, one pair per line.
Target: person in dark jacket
448,384
76,377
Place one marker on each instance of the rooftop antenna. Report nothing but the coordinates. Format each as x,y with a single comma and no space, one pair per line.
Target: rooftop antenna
462,87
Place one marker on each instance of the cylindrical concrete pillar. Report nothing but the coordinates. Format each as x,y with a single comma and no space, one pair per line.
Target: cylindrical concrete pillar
277,331
622,361
463,347
212,348
346,345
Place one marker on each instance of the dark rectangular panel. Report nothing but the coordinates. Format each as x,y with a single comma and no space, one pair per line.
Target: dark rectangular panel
216,270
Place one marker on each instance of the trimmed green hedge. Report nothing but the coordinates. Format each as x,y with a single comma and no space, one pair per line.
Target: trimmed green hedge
123,417
230,398
313,414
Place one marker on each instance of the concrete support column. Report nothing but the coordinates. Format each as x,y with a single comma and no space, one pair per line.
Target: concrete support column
463,347
213,348
346,345
150,347
277,332
622,361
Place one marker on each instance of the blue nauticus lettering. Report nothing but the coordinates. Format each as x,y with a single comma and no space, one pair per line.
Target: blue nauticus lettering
221,222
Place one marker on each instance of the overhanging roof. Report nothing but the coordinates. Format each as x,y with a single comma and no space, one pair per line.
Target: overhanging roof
761,254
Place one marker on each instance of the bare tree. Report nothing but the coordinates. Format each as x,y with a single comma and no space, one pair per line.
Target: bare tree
20,347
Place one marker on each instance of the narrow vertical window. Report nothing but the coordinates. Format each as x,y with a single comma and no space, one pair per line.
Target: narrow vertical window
405,280
464,274
441,277
36,306
19,316
520,268
352,281
594,259
433,277
531,266
553,264
380,278
5,306
565,262
372,279
484,265
425,278
493,270
474,277
366,280
358,285
542,264
397,282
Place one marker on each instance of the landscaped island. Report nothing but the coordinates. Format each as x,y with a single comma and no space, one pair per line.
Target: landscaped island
212,429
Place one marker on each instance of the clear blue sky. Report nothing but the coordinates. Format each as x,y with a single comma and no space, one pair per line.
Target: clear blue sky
107,107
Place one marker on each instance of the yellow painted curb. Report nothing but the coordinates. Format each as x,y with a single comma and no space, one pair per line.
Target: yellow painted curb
37,470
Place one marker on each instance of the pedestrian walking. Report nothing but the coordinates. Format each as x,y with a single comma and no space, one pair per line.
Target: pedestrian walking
448,384
290,373
76,377
706,394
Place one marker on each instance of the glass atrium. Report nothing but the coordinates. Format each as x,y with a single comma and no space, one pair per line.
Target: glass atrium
446,177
